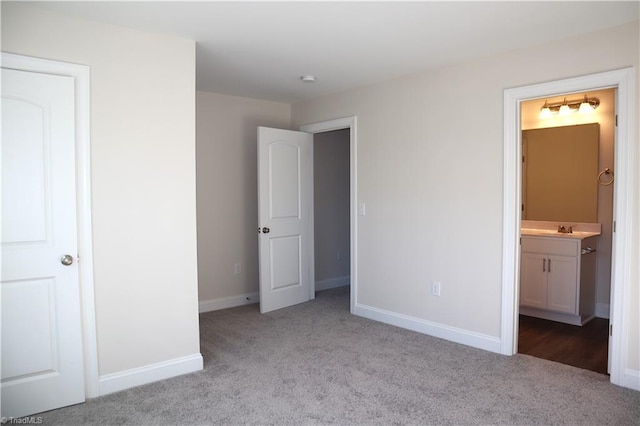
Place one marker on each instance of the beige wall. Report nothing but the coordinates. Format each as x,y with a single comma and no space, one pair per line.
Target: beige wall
227,190
143,179
605,115
430,153
331,204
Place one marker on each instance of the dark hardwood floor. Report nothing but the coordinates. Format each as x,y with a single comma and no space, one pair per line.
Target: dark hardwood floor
584,347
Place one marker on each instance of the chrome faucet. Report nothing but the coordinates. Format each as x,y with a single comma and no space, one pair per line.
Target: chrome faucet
565,230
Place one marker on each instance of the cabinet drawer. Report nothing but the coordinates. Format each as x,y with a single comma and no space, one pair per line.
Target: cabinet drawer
550,246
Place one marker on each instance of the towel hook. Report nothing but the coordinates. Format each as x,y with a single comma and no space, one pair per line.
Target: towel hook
603,173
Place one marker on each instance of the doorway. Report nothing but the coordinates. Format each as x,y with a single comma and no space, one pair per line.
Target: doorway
590,138
286,213
624,200
331,209
347,124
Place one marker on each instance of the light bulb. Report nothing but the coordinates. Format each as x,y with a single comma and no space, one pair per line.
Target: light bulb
585,106
564,109
545,111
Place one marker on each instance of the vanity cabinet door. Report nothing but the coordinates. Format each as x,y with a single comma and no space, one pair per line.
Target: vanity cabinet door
556,281
533,280
562,284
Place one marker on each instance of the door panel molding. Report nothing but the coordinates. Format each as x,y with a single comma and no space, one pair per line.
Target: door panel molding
81,76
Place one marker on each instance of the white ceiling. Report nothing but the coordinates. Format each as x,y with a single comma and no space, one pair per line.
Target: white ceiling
260,49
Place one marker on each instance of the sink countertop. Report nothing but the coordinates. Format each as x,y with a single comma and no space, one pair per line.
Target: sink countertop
539,228
555,234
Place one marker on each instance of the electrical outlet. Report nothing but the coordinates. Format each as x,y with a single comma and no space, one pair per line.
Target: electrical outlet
237,268
435,288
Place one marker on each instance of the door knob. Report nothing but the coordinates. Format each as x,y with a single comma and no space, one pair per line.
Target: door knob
266,230
66,260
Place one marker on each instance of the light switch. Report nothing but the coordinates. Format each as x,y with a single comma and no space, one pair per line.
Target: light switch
362,209
435,288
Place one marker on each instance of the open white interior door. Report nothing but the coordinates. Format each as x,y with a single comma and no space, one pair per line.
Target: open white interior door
42,365
285,211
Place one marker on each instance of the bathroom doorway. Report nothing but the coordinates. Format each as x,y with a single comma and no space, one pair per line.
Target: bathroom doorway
584,346
622,327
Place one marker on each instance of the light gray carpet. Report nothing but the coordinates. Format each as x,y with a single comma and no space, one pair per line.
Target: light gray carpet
315,363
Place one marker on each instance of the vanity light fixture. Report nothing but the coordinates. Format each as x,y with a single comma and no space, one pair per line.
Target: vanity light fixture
584,105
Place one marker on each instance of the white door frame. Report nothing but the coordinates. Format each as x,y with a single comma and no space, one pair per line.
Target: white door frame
81,76
327,126
624,200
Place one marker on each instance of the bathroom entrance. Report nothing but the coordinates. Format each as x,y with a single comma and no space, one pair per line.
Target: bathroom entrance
622,328
568,181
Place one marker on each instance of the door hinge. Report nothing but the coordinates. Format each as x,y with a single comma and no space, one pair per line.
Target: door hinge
523,158
614,226
616,120
610,329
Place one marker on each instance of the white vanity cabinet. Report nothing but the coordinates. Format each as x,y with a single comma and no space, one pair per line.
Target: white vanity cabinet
557,278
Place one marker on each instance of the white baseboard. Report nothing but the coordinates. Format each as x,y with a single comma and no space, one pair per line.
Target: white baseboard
333,283
115,382
631,379
465,337
228,302
602,310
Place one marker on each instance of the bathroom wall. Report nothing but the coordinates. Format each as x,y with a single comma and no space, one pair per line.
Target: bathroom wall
605,115
331,208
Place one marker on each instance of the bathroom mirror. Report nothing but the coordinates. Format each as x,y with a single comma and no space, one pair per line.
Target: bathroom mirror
559,171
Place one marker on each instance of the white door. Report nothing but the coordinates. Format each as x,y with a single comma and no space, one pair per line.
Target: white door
42,366
285,207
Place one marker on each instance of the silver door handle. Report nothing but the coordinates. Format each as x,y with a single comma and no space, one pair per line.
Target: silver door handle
66,260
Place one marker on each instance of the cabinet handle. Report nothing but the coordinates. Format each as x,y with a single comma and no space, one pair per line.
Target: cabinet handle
549,266
544,263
